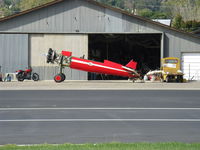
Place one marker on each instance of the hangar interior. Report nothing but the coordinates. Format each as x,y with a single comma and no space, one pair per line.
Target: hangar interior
145,49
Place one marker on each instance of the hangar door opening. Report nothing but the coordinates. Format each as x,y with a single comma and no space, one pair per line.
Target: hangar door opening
145,49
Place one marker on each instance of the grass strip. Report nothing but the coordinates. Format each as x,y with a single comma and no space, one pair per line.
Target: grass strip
108,146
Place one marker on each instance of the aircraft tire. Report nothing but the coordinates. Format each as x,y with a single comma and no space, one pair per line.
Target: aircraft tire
63,76
58,78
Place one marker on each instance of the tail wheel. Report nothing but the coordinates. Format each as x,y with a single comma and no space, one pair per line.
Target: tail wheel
58,78
35,77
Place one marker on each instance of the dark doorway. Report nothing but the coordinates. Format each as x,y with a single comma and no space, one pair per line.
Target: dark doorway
121,48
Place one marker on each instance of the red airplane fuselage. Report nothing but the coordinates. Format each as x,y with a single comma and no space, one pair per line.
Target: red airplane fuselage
108,67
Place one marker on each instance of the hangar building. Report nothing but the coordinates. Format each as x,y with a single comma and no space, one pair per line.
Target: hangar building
95,30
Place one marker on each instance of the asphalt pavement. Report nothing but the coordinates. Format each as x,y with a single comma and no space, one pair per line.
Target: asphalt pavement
94,116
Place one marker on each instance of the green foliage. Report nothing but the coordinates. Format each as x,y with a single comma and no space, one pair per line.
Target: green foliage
10,7
191,25
153,5
108,146
147,13
188,26
151,9
160,15
8,2
115,3
27,4
189,9
178,22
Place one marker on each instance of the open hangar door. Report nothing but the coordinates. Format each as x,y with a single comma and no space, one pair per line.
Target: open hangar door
145,49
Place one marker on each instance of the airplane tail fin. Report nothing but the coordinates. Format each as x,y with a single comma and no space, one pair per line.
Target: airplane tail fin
132,64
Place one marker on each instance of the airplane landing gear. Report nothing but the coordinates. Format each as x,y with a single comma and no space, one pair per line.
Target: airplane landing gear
59,77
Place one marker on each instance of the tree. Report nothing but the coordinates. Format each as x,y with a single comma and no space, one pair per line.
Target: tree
8,2
27,4
147,13
189,9
9,7
187,26
178,22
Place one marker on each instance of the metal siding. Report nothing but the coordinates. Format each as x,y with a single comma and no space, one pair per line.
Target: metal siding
190,44
67,25
59,20
113,21
77,16
71,16
14,52
131,25
176,43
92,18
162,46
51,22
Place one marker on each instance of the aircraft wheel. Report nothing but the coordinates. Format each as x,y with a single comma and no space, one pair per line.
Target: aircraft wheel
63,76
58,78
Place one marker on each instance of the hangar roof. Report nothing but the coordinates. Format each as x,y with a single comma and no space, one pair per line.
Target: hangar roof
101,5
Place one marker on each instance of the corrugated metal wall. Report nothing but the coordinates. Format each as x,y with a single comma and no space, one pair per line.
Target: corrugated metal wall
39,45
74,16
13,52
174,45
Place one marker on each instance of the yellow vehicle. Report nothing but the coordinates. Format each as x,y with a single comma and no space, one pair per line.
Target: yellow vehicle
170,67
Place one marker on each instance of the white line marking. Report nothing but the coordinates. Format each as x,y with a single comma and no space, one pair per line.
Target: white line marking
102,120
65,88
97,108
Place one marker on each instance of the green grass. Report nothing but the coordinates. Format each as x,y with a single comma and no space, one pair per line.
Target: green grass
109,146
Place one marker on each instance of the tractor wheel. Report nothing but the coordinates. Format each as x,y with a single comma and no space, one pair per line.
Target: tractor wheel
179,79
167,79
58,78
